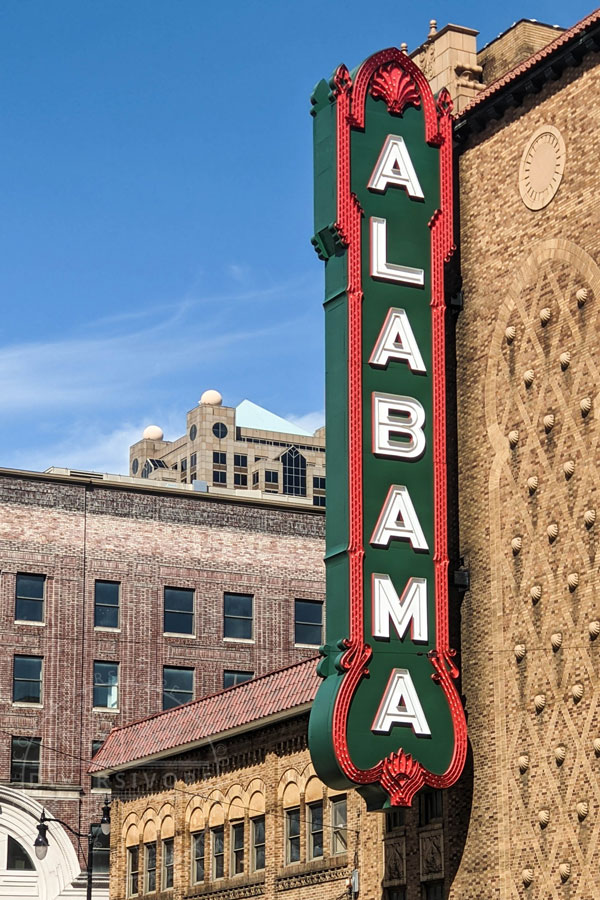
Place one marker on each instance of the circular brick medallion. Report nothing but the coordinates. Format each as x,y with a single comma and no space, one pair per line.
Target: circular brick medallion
542,167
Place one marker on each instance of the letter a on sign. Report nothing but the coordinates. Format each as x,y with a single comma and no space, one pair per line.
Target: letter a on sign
394,166
397,341
400,705
398,519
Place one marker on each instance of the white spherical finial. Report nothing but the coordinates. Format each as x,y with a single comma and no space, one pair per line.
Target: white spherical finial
211,398
153,433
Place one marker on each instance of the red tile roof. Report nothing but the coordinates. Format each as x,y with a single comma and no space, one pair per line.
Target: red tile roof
531,62
244,706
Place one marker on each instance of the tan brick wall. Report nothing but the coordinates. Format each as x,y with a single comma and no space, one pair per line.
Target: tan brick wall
511,48
516,262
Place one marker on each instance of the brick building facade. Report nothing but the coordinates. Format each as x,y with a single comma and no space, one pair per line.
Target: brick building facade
119,598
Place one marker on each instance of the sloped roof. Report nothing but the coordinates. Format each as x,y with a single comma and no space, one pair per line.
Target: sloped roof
531,62
250,415
249,705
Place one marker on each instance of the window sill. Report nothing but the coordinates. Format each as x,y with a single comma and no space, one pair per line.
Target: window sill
176,634
107,628
105,709
97,790
230,640
20,704
30,622
306,646
316,867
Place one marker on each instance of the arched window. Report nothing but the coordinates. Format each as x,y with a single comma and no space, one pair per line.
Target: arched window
294,472
17,857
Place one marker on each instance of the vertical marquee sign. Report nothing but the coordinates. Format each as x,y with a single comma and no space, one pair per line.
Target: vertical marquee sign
387,718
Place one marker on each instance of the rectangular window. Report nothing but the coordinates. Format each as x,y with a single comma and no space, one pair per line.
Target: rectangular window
183,465
394,818
433,891
106,604
98,781
25,759
292,835
29,601
106,685
319,501
219,459
219,477
240,460
218,851
240,480
430,807
232,677
149,867
197,857
254,479
193,459
167,864
308,622
271,477
237,848
178,686
179,611
339,839
237,616
397,893
318,483
133,871
27,679
258,843
315,830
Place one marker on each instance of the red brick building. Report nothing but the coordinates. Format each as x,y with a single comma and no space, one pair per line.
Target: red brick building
120,598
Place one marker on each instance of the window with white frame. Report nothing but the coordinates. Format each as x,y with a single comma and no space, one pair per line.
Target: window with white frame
314,821
237,848
133,871
167,864
149,867
217,838
258,843
197,857
339,823
292,835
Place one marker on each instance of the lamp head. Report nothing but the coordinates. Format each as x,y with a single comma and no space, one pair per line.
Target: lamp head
40,845
105,820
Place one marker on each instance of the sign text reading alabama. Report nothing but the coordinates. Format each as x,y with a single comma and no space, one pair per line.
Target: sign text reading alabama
387,718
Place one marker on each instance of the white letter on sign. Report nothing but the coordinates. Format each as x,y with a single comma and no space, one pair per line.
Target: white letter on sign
394,166
380,267
398,426
400,706
397,341
399,520
409,609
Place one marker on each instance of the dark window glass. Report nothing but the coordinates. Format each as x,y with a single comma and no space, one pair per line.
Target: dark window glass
232,677
240,480
271,477
219,459
25,759
167,864
179,611
219,477
220,430
308,627
237,848
254,478
183,466
339,838
193,459
106,685
433,891
237,616
17,857
241,460
135,466
318,483
430,806
99,781
27,679
394,818
193,433
101,850
198,857
178,686
258,843
133,871
149,867
29,605
106,604
292,835
294,473
397,893
218,851
319,501
315,830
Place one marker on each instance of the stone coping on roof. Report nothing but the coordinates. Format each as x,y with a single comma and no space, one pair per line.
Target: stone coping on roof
530,63
245,706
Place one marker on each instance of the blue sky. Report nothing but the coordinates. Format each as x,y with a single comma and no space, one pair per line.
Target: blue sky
156,204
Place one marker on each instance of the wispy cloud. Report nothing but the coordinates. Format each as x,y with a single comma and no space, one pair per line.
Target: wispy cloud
310,421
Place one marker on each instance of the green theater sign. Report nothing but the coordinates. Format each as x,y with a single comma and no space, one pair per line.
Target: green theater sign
387,718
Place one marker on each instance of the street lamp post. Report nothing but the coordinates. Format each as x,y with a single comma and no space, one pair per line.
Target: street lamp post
40,844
